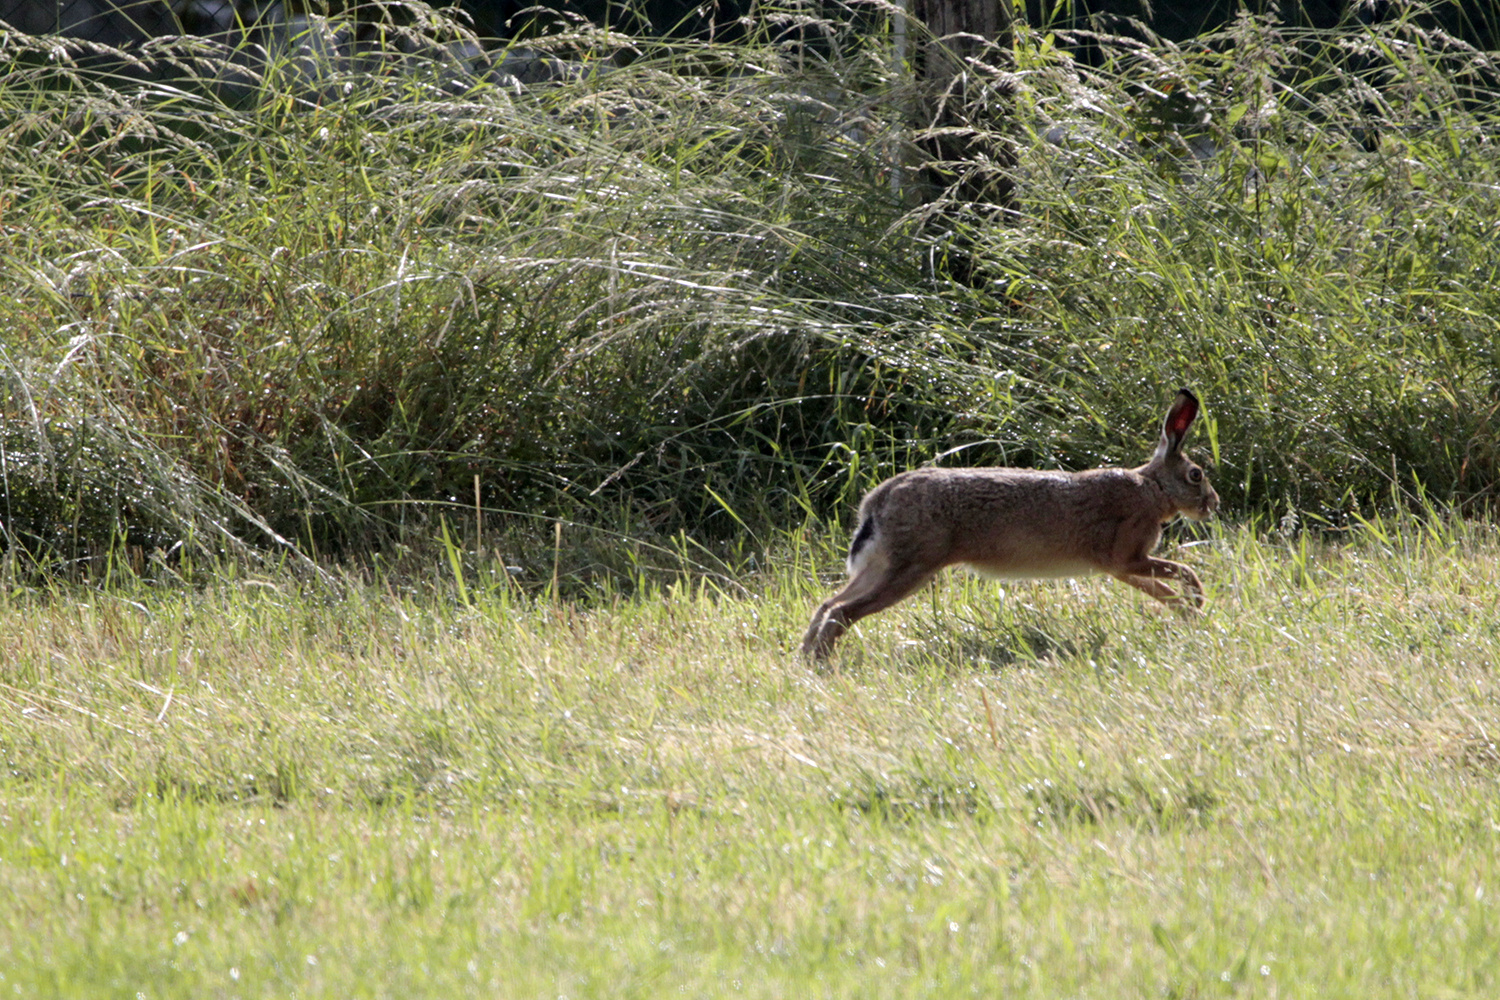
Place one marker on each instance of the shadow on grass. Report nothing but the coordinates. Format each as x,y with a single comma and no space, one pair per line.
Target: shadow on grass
907,798
1129,801
962,645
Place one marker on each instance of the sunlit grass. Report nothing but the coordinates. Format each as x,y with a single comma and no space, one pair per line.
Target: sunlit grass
261,786
701,287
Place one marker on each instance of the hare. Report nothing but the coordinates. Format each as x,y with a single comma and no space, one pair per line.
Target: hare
1021,523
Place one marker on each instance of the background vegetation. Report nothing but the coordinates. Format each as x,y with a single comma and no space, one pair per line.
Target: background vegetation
702,288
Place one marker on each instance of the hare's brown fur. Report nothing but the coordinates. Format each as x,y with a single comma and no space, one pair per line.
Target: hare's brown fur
1021,523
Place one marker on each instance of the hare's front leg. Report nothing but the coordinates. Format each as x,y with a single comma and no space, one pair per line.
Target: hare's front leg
1147,574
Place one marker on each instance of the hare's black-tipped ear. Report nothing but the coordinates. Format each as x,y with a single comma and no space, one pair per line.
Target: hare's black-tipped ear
1175,427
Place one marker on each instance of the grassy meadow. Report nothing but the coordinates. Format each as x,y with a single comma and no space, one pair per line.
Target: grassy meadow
259,788
413,489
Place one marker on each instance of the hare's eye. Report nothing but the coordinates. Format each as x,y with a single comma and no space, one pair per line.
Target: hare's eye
1195,475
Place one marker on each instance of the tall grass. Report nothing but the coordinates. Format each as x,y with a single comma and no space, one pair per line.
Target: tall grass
1302,225
698,288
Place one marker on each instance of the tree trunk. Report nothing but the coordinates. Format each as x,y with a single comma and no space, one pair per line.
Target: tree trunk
962,114
960,28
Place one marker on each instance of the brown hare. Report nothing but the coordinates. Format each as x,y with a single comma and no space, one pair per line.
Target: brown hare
1021,523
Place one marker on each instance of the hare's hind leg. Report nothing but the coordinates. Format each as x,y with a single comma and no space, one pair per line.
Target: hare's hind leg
873,587
1148,573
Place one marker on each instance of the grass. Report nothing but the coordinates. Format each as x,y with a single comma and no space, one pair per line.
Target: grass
262,786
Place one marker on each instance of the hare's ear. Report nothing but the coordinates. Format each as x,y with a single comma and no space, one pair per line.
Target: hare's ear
1175,427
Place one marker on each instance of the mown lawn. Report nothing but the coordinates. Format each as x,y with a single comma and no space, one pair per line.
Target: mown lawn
254,787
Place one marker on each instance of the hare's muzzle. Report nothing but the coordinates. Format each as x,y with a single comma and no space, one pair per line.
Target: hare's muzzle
1210,504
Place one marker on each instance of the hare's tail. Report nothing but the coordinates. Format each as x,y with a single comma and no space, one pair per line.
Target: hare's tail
862,538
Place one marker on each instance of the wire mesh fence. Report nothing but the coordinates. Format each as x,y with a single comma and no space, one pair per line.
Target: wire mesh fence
107,22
